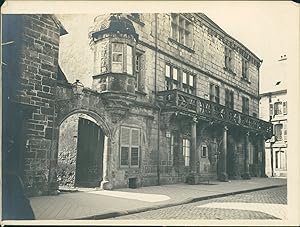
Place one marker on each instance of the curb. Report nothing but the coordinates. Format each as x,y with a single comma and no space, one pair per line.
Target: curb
190,200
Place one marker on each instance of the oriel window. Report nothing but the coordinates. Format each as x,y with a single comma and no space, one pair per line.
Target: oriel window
117,57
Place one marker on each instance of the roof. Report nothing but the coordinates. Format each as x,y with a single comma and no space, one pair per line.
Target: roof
113,23
217,27
62,30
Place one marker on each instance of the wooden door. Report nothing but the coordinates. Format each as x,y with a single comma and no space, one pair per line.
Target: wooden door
89,159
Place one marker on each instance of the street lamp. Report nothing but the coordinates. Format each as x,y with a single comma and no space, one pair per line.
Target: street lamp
77,88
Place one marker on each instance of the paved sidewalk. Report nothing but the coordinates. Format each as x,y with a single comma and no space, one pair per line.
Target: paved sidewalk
100,204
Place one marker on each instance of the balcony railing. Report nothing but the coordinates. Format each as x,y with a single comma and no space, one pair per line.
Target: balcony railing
181,101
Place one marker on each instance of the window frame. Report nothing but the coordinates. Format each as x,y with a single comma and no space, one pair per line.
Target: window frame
245,69
229,98
169,80
117,62
214,93
187,87
181,29
138,71
202,154
186,151
130,146
229,58
278,108
245,105
279,133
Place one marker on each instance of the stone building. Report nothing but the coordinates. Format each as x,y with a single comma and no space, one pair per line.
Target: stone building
174,99
30,46
273,108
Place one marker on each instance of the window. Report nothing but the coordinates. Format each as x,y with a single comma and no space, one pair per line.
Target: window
171,151
117,57
245,69
277,108
214,93
138,70
278,131
171,77
181,29
204,152
228,58
186,151
129,60
130,147
280,160
229,101
188,83
284,107
245,105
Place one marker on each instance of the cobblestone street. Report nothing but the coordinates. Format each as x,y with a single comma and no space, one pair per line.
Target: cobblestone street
243,206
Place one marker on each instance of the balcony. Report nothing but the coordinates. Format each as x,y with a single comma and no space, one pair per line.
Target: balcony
175,100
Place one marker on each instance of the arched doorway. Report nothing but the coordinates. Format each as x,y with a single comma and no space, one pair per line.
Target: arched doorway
80,151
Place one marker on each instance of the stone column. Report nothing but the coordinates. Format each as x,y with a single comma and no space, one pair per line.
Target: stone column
193,148
263,157
224,176
192,178
246,174
105,183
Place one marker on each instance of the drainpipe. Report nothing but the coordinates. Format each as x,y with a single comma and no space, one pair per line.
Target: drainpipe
159,112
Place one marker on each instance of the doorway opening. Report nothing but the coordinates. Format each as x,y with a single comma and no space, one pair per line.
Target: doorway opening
80,152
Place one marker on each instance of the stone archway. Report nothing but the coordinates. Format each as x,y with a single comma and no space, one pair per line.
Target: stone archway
84,141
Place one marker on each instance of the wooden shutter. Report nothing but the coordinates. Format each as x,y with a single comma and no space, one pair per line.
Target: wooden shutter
285,131
125,143
285,107
135,145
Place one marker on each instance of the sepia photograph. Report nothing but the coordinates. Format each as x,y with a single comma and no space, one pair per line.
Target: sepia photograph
159,113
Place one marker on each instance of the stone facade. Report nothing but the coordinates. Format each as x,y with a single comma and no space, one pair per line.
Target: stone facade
153,132
276,149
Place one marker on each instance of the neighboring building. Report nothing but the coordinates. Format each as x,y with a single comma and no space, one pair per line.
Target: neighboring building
273,108
174,99
30,46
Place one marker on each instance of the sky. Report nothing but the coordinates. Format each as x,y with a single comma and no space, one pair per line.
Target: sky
270,29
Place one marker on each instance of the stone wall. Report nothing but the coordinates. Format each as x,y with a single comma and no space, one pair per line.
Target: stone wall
205,59
38,73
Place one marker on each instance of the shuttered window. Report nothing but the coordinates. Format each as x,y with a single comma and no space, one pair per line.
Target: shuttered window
285,131
285,107
130,147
